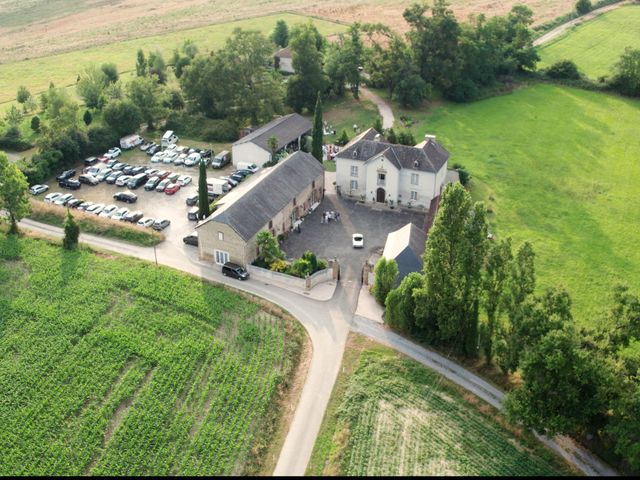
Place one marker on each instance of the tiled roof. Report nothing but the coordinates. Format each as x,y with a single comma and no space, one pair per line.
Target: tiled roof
283,53
251,206
286,129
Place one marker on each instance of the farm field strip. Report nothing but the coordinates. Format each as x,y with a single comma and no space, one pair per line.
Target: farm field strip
110,368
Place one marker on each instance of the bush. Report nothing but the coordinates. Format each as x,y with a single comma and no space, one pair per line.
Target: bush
300,268
462,173
71,232
563,69
12,142
583,6
343,139
194,125
35,123
101,138
279,266
386,274
123,116
87,118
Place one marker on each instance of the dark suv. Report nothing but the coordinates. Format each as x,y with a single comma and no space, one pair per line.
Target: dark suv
70,184
66,174
234,270
125,197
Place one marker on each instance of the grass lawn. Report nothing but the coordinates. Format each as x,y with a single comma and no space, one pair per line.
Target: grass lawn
63,69
559,167
388,415
114,366
344,112
596,45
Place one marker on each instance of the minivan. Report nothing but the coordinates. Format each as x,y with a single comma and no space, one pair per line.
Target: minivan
221,159
193,213
137,180
234,270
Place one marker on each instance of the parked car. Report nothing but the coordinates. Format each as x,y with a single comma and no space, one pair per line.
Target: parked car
90,161
161,224
74,203
63,199
357,240
38,189
119,166
113,152
145,145
233,182
131,141
85,205
137,180
146,222
66,174
162,174
221,159
152,172
158,157
171,188
128,170
122,180
252,167
52,197
70,183
192,200
127,197
206,153
184,180
179,160
173,177
93,171
192,159
153,149
120,213
134,216
242,173
96,208
108,211
111,179
237,177
103,174
191,239
138,170
170,157
152,183
192,214
111,162
234,270
169,138
88,179
162,185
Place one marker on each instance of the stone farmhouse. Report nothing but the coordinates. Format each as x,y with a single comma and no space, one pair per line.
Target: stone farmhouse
284,60
375,171
290,131
274,200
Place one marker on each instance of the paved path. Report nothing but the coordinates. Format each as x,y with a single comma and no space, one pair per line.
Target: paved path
556,32
383,107
328,324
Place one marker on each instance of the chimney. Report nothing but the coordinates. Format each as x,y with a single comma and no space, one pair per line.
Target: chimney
377,137
428,137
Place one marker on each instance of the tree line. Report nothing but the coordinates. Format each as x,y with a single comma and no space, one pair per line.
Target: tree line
478,299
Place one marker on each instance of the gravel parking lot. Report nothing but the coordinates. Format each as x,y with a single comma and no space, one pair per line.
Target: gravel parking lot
152,204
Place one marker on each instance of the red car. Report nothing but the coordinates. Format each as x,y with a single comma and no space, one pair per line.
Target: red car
171,188
103,159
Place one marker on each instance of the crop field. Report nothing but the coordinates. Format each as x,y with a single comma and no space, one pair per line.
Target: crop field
391,416
118,367
63,69
559,167
596,45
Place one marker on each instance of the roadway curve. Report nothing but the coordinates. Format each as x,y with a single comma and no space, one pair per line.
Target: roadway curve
383,107
328,324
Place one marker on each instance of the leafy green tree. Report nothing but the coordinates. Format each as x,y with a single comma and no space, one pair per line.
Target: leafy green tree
280,35
14,198
203,196
400,303
272,141
13,116
91,86
583,6
344,61
386,274
309,79
463,173
141,64
123,116
87,118
377,124
23,94
318,131
447,305
150,97
189,48
391,136
411,91
627,73
268,247
343,139
496,275
624,427
102,138
157,66
113,91
405,137
563,69
110,71
71,232
35,123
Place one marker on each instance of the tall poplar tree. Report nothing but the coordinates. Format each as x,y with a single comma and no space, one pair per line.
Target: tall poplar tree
318,131
203,197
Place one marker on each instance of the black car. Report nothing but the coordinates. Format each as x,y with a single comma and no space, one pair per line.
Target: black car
128,170
119,166
151,184
133,217
153,150
234,270
75,203
127,197
206,153
66,174
88,179
237,177
191,239
244,173
160,224
90,161
70,184
192,200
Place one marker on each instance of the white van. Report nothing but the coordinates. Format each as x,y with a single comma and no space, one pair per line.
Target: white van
252,167
217,186
130,141
169,138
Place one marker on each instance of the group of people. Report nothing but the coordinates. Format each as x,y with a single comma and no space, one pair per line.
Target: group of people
328,216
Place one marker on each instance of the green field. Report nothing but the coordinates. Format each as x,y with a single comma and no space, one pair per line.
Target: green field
596,45
388,415
559,167
113,366
63,69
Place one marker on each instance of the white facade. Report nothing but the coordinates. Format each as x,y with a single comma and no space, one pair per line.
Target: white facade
379,181
285,64
250,153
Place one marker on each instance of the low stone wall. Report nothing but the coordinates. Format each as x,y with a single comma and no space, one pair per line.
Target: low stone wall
322,276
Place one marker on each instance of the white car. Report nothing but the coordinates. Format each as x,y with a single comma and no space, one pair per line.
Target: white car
123,179
103,174
192,159
52,197
157,157
113,153
85,206
38,189
171,147
63,199
120,213
184,180
357,240
96,208
108,211
180,159
146,222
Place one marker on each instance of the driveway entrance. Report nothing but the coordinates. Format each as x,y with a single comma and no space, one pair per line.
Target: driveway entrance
380,195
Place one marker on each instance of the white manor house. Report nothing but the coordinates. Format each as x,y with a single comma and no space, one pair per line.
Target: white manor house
375,171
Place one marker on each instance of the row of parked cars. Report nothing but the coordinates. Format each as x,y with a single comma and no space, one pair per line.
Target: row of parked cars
111,211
